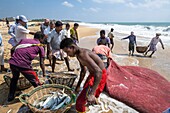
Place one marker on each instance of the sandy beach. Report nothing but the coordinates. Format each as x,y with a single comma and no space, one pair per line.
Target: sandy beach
88,37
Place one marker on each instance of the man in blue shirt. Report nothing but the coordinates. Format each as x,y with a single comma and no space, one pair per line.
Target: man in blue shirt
132,42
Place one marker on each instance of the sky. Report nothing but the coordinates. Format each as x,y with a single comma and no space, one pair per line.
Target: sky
89,10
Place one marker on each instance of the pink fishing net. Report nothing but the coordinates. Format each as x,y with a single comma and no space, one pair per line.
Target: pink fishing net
143,89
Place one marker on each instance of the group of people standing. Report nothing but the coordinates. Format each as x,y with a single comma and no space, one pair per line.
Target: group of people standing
62,43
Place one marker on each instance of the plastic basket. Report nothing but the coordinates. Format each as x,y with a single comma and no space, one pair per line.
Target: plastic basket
40,91
141,49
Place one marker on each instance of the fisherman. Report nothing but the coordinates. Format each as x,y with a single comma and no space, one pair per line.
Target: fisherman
44,25
111,36
95,82
21,30
132,43
53,43
104,53
11,32
47,32
21,59
103,39
153,43
74,34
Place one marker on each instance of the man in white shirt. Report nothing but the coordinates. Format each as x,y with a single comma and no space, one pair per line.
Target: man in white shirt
11,32
66,31
20,30
153,43
54,40
47,31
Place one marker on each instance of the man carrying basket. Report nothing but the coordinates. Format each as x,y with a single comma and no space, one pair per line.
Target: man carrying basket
95,82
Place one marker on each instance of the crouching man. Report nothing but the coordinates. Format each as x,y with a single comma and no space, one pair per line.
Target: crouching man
95,82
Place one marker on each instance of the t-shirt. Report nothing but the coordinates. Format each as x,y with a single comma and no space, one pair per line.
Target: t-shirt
43,27
22,57
55,39
104,41
21,32
110,35
102,49
132,39
47,30
66,33
73,34
11,30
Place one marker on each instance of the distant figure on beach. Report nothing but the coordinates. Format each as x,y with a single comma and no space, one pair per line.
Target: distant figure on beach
21,59
111,36
66,31
74,34
104,53
44,25
20,30
53,42
47,31
103,39
95,82
2,55
7,22
132,43
11,32
153,43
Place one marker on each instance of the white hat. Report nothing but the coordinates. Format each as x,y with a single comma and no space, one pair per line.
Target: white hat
17,17
23,18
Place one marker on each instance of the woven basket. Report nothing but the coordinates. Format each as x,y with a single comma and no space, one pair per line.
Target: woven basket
40,91
141,49
66,79
22,83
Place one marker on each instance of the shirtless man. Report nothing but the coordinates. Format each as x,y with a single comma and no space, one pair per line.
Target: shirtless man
95,82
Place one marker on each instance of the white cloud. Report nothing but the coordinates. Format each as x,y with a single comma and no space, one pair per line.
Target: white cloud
150,4
92,9
110,1
67,4
79,1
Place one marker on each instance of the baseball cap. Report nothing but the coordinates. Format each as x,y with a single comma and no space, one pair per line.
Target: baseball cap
58,24
17,17
23,18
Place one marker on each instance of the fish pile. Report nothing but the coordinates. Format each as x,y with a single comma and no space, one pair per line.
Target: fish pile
52,101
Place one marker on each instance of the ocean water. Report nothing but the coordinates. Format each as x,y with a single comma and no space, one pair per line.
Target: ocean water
143,29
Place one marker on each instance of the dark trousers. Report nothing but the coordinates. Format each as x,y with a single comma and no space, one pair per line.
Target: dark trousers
29,74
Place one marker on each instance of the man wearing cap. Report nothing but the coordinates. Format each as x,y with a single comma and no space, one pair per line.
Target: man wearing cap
153,43
20,29
44,25
11,32
54,39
